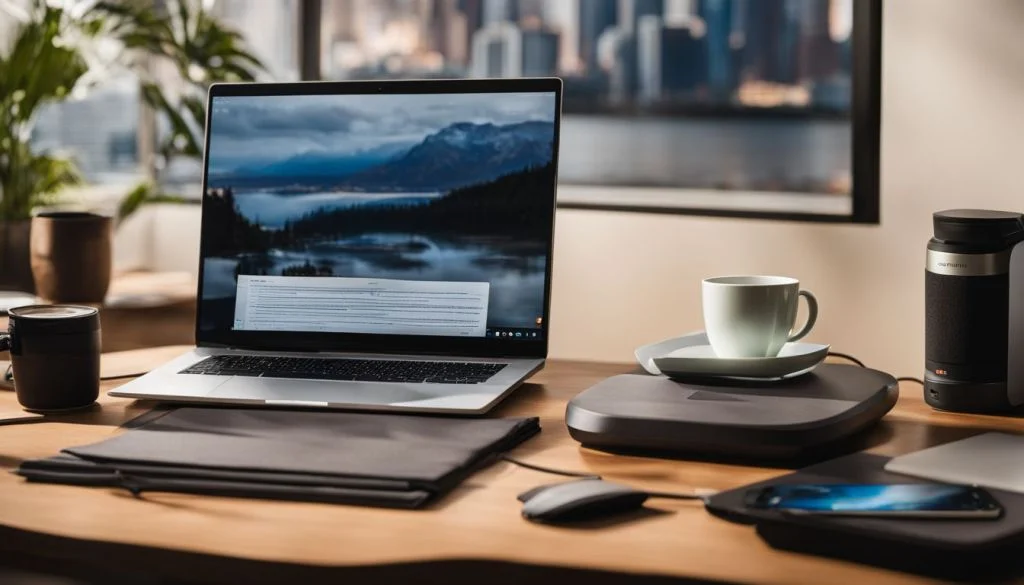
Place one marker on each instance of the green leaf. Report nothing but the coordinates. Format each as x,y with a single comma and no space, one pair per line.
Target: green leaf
196,107
36,70
143,194
179,125
29,180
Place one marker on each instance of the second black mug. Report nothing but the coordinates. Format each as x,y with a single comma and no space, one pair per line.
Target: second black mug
55,354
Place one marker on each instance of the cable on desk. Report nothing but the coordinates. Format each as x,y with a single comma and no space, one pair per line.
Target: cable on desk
846,357
550,470
861,364
120,376
703,497
8,375
910,379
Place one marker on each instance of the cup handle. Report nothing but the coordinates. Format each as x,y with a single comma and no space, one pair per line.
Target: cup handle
812,315
5,342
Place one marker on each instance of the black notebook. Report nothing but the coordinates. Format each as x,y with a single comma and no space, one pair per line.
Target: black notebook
349,458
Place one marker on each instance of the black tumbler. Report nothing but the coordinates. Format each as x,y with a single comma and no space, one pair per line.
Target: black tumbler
55,354
967,308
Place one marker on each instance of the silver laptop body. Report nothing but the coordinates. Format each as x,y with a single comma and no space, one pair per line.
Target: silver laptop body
378,246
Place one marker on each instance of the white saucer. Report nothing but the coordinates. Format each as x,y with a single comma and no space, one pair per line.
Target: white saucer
793,360
645,354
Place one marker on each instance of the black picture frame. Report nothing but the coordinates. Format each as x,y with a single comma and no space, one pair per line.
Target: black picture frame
865,127
865,135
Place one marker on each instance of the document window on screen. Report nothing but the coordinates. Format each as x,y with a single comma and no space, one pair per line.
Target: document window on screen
361,305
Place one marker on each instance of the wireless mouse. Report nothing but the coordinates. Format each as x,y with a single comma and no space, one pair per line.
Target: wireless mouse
580,500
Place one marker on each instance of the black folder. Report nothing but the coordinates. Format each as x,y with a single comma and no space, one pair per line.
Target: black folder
397,461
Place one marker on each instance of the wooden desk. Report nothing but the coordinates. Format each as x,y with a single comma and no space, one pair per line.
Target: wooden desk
475,535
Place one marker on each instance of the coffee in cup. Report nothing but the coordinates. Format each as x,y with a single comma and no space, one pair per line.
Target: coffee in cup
753,316
55,355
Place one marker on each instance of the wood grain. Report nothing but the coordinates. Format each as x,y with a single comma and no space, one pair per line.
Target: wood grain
477,524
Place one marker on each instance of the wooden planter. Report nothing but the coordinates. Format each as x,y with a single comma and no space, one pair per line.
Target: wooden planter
15,267
71,256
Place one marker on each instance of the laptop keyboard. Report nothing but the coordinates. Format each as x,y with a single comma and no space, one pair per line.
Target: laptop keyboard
347,369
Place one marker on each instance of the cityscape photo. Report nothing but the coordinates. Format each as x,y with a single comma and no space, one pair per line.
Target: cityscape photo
444,188
742,95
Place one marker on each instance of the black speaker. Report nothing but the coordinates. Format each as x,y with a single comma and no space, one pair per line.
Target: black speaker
967,305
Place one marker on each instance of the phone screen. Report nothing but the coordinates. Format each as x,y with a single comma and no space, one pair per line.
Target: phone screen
916,499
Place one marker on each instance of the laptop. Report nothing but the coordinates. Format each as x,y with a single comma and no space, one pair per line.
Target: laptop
380,245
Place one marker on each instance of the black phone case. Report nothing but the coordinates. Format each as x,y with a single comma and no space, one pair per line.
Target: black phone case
951,549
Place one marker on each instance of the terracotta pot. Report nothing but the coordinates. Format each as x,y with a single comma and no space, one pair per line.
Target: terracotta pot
71,256
15,270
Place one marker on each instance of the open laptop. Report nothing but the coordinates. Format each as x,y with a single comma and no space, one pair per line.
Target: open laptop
372,245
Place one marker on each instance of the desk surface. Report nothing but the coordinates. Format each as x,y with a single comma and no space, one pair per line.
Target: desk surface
476,528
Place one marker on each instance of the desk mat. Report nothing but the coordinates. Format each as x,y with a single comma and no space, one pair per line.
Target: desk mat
365,459
952,549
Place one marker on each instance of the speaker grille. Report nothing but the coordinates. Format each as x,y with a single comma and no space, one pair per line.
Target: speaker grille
966,325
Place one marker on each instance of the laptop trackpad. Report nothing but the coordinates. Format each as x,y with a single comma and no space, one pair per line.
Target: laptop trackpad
242,387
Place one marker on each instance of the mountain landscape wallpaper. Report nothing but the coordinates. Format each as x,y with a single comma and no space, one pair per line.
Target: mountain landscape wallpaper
438,187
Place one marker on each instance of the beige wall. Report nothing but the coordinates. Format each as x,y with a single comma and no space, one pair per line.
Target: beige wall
952,136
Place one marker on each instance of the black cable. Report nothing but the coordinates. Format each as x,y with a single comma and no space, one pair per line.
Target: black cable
550,470
8,375
846,357
120,376
861,364
664,495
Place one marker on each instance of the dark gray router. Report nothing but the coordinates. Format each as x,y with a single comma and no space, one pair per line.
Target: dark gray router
778,420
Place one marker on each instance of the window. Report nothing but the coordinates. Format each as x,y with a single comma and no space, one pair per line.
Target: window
99,130
271,29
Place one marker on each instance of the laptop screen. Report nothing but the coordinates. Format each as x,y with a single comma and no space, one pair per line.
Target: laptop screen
383,214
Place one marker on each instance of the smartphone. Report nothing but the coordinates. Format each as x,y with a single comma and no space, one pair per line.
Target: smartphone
917,500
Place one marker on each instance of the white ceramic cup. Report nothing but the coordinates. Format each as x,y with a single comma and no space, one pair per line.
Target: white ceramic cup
753,316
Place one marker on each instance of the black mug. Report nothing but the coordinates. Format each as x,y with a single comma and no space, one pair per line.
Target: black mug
55,354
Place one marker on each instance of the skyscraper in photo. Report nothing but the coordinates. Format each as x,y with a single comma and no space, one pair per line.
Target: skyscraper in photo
531,10
473,14
818,55
718,23
787,64
447,31
617,56
540,53
595,16
500,11
770,42
631,11
649,58
497,51
672,60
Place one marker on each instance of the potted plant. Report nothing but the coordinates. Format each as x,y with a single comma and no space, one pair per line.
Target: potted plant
37,68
